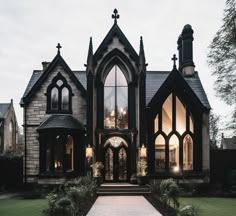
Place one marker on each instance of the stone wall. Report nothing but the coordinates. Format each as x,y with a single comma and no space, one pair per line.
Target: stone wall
36,114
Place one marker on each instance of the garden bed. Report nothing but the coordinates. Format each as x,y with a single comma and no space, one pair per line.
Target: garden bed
156,203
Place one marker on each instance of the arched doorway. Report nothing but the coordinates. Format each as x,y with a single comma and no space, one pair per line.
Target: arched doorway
115,159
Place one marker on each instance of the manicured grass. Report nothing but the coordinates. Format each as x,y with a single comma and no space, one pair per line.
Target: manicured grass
212,206
19,207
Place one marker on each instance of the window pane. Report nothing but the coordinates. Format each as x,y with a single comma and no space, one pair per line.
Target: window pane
10,140
109,107
167,115
191,122
188,153
69,154
59,83
121,80
58,153
65,99
109,164
159,153
180,117
156,124
122,164
122,107
110,79
48,155
54,98
174,153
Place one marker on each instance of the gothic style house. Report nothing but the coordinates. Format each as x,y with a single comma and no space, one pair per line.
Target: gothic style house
116,109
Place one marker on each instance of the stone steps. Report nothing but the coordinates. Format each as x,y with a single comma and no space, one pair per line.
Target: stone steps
120,190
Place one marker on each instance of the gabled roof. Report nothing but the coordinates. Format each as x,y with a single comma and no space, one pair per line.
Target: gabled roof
155,79
115,31
38,77
61,121
4,107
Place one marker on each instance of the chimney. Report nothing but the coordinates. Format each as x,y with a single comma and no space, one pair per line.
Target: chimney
45,65
179,42
187,64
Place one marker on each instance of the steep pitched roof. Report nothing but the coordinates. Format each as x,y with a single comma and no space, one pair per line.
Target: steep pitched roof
4,107
155,79
38,77
115,31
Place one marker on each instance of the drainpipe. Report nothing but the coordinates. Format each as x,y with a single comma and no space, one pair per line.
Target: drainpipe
25,164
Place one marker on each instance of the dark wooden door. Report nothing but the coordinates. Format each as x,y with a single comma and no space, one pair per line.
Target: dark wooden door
115,160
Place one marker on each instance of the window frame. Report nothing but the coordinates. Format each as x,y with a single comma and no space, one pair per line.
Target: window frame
60,89
116,87
173,131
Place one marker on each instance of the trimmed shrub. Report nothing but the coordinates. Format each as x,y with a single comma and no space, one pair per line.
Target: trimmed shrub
11,167
73,199
170,192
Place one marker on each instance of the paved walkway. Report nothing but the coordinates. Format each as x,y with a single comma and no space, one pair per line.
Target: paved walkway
122,206
8,195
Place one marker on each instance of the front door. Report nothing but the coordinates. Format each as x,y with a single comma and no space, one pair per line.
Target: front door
115,161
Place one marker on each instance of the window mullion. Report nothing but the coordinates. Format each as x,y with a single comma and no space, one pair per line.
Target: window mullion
115,97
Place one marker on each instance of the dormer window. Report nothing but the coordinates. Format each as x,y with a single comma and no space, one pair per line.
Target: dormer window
59,96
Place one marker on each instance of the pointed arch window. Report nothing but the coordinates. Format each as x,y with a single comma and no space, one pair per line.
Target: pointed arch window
59,96
115,100
174,128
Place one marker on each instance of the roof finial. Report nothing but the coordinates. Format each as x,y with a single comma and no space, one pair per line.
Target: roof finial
115,15
174,60
58,48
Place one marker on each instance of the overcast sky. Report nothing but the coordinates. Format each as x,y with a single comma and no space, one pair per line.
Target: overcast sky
31,29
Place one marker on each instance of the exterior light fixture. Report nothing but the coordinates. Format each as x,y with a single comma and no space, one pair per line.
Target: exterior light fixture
89,152
143,152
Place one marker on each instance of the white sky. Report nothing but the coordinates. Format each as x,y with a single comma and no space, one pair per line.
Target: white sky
31,29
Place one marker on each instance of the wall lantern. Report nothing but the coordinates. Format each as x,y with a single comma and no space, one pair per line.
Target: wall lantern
143,152
89,152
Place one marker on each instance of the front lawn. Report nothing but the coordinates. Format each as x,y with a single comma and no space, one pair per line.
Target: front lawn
211,206
21,207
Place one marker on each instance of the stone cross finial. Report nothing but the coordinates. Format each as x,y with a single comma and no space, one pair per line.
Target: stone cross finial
58,47
174,60
115,15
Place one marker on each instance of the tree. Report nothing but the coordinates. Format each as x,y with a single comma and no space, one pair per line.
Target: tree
222,59
214,130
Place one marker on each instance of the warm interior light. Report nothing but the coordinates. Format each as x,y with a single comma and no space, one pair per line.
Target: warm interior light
143,151
89,152
176,169
112,113
57,164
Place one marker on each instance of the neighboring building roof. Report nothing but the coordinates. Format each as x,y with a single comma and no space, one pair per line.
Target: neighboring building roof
61,121
229,143
4,107
154,80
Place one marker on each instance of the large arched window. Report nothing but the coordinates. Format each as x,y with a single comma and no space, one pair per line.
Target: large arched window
11,134
59,96
115,100
174,120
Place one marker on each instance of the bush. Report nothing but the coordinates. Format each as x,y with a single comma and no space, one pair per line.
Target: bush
170,192
12,167
188,211
73,199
